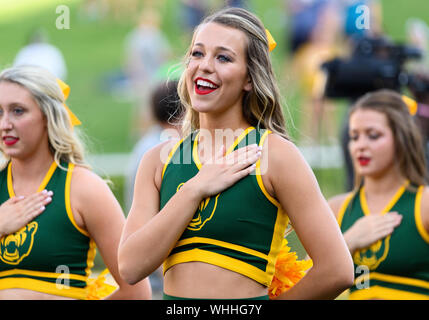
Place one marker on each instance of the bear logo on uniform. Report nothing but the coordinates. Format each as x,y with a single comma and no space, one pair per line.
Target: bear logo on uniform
204,213
15,247
373,255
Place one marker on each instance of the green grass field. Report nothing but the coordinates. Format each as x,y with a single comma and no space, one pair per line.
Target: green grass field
94,49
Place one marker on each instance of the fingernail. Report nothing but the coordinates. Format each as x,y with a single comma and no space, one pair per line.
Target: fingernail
48,199
42,208
50,193
45,191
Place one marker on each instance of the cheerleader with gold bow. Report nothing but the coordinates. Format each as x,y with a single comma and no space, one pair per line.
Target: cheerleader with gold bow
55,211
385,219
214,212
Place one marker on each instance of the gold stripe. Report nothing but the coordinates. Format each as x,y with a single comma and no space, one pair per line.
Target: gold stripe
391,203
170,155
281,219
259,177
230,149
395,279
68,201
377,292
276,243
343,208
418,215
92,246
41,186
9,180
43,274
43,286
239,138
47,177
220,261
222,244
195,152
90,257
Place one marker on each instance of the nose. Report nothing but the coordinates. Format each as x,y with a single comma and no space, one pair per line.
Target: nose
359,144
207,64
5,123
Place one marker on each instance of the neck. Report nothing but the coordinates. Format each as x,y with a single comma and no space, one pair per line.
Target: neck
33,168
385,183
226,121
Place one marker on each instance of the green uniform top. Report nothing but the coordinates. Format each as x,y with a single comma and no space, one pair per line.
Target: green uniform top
240,229
51,254
397,266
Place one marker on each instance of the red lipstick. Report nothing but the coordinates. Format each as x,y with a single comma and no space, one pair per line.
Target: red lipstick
364,161
10,141
204,86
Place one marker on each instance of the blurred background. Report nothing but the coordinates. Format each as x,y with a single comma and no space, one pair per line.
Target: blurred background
113,54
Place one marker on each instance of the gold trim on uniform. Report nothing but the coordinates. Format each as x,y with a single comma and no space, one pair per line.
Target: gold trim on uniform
418,215
220,261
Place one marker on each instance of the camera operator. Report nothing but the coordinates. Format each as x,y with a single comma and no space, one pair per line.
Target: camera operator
375,63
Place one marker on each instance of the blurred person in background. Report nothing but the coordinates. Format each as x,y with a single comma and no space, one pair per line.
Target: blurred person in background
192,13
54,210
39,52
166,112
316,36
147,51
385,219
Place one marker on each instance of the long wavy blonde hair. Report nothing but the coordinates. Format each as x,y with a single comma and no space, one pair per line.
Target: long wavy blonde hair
65,143
261,105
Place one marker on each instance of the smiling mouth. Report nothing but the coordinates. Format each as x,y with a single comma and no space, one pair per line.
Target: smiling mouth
9,141
204,86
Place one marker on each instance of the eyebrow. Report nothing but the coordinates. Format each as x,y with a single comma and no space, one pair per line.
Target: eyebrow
220,48
366,129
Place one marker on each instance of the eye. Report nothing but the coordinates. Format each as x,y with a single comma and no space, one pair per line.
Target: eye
18,110
224,58
373,136
196,54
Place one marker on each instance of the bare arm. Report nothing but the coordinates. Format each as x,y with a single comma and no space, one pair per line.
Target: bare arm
103,219
153,232
299,195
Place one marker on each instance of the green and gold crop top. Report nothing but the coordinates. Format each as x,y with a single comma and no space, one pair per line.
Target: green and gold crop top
51,254
240,229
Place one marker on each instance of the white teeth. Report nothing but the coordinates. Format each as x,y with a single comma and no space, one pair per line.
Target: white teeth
206,84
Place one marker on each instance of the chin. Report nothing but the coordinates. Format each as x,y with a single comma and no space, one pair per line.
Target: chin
202,108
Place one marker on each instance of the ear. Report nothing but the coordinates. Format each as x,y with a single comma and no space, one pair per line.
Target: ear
248,85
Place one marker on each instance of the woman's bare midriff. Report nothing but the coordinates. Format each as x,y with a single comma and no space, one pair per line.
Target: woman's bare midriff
203,280
24,294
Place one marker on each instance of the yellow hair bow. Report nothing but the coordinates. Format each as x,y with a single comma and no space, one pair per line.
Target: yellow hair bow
411,104
74,121
271,42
